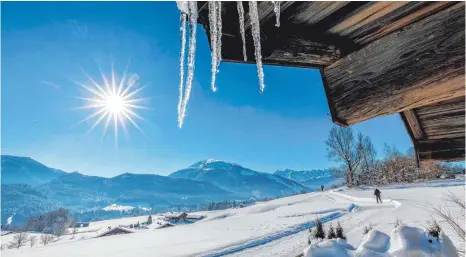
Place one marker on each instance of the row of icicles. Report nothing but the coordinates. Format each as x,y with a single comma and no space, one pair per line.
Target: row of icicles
189,14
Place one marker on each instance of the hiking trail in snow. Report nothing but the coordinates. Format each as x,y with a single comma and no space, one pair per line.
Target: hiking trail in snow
333,214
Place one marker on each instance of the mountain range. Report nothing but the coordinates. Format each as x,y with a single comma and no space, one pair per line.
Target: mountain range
312,179
243,181
31,188
24,170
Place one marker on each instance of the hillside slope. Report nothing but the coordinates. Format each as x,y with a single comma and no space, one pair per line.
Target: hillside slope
24,170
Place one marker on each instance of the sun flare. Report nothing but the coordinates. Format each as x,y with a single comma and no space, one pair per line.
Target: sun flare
114,103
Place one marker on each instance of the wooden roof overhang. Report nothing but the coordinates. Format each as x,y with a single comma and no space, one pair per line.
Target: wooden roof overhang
375,58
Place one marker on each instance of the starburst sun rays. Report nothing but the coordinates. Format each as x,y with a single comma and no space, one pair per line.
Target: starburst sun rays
113,102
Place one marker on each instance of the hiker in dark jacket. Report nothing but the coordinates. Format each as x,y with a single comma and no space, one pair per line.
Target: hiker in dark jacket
377,195
322,188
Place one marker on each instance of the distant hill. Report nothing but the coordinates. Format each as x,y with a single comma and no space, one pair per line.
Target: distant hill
77,191
30,188
312,178
24,170
22,201
235,178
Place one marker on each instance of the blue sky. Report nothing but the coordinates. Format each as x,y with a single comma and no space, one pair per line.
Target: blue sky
44,45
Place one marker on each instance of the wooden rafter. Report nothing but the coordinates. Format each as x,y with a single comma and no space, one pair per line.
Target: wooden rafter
420,65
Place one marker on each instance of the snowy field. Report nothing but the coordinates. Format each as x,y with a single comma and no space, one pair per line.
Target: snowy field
273,228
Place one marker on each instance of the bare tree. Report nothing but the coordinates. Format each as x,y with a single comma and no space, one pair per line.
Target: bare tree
73,232
369,154
32,240
46,238
58,229
20,239
447,216
343,147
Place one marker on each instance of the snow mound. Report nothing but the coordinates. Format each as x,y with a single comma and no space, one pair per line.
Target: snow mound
412,241
404,241
329,248
375,243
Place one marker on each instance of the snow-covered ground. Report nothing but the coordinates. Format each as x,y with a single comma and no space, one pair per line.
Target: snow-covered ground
273,228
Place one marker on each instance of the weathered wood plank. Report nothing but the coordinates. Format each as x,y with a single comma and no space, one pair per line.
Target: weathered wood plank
366,16
412,12
440,145
447,155
413,124
310,12
303,52
446,149
420,65
444,121
445,134
451,107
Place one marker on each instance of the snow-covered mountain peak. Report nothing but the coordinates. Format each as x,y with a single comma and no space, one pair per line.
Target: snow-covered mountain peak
212,164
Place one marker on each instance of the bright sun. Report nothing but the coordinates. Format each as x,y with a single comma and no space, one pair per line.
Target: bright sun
116,103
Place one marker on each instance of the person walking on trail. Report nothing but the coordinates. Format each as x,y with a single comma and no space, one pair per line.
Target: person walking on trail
377,195
322,188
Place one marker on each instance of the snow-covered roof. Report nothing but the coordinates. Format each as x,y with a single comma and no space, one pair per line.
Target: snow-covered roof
174,215
195,216
105,231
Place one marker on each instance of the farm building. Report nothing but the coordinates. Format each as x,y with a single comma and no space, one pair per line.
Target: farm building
113,231
194,217
175,216
375,59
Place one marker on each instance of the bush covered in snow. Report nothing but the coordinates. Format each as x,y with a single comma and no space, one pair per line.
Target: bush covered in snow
319,230
403,241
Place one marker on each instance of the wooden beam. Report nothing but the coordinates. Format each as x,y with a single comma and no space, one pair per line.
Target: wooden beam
442,150
291,44
299,51
414,124
421,65
366,16
391,22
411,135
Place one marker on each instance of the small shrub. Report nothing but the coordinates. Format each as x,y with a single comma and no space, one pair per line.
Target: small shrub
339,231
434,229
319,231
309,237
46,238
32,240
19,240
331,232
367,229
149,220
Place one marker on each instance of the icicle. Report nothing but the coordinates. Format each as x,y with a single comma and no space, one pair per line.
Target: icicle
276,9
241,27
213,41
219,33
182,56
192,13
256,36
183,6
